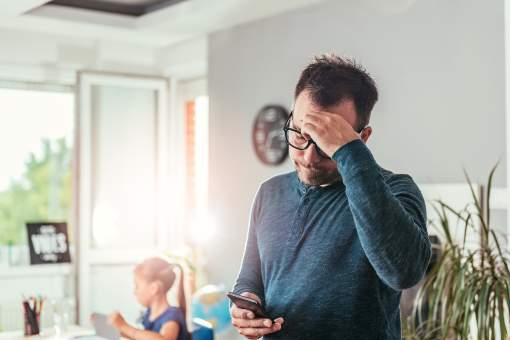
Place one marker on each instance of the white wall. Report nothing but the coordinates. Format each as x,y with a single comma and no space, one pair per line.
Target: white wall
440,70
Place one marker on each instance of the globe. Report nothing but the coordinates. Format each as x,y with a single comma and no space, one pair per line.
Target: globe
210,303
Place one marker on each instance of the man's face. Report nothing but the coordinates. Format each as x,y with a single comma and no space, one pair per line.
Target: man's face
312,168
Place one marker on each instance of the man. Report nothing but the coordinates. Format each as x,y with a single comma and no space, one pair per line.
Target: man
332,245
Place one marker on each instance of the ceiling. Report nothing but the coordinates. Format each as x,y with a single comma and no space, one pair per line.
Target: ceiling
156,23
135,8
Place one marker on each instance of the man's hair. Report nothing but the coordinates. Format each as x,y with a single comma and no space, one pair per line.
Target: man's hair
330,79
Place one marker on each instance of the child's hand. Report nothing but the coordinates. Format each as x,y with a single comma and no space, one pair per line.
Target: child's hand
117,320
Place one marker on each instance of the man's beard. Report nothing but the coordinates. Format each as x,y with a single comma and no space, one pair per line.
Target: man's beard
318,176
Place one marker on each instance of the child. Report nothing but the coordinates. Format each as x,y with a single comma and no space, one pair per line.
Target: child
153,279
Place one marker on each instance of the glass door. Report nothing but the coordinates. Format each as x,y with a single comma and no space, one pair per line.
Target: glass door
123,209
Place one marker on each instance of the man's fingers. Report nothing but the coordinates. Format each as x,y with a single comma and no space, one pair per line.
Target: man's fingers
310,130
279,320
258,332
314,119
325,119
240,313
256,323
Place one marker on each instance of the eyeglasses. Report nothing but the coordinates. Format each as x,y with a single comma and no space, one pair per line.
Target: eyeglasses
295,139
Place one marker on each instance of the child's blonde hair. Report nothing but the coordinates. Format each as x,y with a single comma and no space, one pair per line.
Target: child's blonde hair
157,269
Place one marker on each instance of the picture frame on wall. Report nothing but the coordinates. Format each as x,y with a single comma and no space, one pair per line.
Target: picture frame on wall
48,242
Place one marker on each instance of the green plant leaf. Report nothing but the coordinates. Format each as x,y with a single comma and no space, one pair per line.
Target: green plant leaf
489,188
466,284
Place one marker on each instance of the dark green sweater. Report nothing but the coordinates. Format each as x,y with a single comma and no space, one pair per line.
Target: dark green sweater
332,261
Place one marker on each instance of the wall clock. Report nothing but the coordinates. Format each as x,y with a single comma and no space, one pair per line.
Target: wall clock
267,134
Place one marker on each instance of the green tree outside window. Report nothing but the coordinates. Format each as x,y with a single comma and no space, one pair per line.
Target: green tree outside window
43,192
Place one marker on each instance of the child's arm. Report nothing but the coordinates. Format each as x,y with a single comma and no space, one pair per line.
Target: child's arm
169,331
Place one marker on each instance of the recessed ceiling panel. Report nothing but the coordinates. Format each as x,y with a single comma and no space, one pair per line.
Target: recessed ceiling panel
125,7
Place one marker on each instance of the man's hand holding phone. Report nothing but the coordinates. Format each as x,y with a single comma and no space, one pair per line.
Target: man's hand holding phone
248,323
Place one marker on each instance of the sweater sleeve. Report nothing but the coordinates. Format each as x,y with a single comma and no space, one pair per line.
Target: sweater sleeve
250,277
390,217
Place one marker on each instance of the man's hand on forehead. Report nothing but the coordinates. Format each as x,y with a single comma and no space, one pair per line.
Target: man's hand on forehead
329,130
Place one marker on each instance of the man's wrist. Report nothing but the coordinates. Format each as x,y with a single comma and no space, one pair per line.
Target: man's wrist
353,157
337,147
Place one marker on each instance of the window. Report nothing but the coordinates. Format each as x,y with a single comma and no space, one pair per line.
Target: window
36,143
196,125
195,107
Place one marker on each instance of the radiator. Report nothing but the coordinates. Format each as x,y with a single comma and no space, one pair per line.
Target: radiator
11,314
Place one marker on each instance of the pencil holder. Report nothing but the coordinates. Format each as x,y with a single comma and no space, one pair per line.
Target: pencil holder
32,316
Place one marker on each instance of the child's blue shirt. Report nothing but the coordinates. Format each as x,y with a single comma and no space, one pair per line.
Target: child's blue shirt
171,314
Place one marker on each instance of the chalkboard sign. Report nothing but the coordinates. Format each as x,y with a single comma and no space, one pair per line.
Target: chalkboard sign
48,243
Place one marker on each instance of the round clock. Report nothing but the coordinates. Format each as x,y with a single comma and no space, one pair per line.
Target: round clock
267,135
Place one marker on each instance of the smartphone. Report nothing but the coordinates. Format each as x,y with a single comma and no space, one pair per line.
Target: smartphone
249,304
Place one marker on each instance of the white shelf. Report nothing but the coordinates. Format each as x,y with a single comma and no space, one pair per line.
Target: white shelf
36,270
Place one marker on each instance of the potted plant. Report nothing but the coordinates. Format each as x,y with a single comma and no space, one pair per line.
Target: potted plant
466,295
